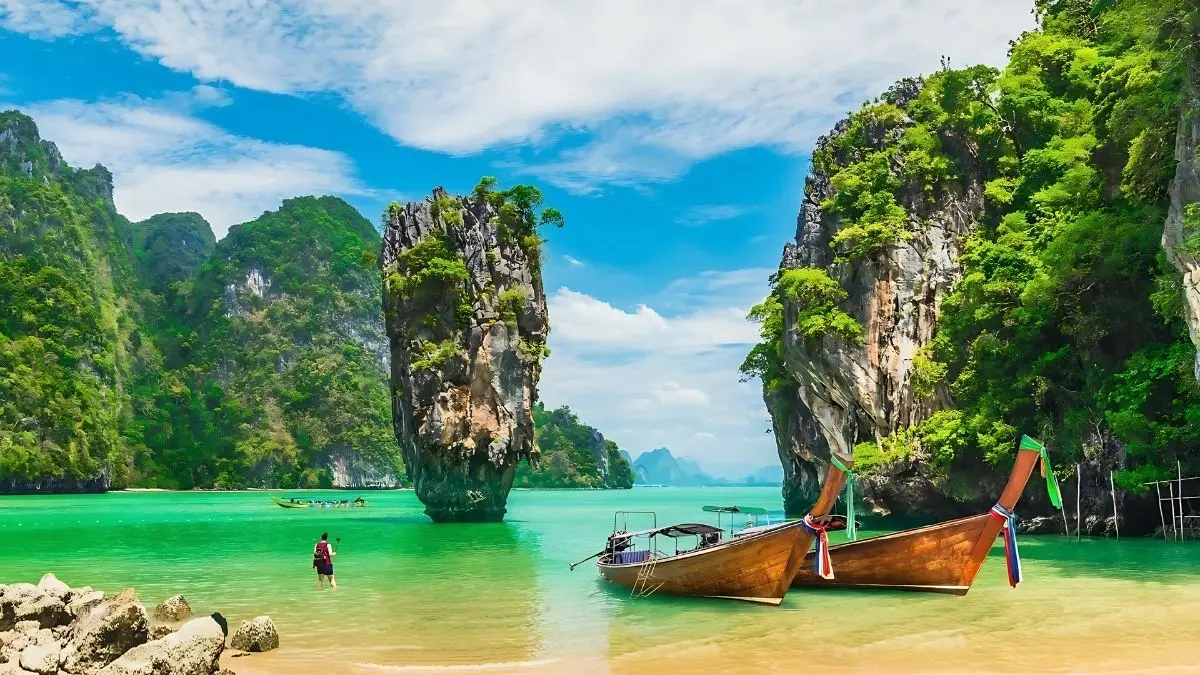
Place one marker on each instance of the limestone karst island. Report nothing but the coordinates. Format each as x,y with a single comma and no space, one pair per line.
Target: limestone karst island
579,337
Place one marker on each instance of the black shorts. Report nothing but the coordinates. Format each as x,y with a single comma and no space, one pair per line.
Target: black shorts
327,570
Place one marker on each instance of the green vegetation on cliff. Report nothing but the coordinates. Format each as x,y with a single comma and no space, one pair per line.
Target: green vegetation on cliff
151,355
67,336
572,455
1067,322
279,343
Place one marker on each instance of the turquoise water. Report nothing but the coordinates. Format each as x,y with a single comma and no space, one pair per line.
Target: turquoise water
499,597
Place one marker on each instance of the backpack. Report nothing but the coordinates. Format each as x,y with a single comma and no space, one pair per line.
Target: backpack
321,554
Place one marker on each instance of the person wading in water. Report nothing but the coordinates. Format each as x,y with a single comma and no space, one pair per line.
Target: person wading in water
323,560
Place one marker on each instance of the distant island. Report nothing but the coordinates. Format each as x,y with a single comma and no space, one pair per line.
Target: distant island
660,467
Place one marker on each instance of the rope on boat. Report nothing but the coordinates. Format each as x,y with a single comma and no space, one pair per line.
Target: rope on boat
822,564
1011,556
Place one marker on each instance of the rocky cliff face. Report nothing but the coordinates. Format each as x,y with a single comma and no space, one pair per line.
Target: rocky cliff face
847,392
467,324
1183,223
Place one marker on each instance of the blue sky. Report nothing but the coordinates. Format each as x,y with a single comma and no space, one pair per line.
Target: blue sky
673,136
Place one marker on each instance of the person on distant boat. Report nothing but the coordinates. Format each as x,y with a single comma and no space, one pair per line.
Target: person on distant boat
323,560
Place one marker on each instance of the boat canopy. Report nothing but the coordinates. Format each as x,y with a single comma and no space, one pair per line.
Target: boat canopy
753,510
680,530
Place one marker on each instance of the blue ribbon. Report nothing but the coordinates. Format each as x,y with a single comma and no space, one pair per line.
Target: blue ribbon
1011,555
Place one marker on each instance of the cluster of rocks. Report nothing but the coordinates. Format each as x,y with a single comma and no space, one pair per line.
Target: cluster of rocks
53,629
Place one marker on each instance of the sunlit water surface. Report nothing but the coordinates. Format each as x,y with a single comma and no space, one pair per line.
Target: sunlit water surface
418,597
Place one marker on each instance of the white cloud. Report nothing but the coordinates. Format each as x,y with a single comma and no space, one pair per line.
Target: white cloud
43,19
711,213
653,86
649,379
573,261
165,159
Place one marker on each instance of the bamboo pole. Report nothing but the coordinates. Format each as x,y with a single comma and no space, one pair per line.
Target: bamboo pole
1171,503
1161,517
1179,474
1078,501
1112,484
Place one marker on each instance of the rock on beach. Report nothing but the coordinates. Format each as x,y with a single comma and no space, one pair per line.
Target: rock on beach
51,629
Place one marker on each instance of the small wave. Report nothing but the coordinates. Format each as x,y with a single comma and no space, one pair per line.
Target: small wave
465,666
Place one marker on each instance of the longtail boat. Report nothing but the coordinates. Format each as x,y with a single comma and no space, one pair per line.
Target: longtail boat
289,504
293,503
939,558
756,564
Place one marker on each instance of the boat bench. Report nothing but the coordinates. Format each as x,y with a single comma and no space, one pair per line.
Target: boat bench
631,557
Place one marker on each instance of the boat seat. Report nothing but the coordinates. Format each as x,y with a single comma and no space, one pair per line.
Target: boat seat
631,557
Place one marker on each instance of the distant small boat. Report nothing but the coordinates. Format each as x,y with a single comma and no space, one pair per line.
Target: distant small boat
293,503
939,558
756,564
289,504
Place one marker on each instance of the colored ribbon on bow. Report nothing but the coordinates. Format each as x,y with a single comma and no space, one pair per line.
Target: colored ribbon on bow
851,522
1011,556
822,565
1052,490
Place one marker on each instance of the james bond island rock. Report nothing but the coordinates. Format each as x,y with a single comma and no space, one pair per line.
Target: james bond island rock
467,323
978,256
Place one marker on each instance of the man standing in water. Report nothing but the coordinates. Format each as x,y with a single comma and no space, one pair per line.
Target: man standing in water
323,560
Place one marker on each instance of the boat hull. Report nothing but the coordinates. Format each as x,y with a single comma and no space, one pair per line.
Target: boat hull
755,568
288,505
940,558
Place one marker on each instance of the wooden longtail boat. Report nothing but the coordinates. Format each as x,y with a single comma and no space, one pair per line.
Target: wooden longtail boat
939,558
288,505
319,504
756,565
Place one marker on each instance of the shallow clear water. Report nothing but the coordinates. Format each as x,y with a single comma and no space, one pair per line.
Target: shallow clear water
414,596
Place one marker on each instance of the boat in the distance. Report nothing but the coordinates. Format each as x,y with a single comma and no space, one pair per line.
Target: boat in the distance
293,503
939,558
756,565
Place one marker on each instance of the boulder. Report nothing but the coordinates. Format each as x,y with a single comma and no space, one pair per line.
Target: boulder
51,585
159,632
195,649
13,668
42,659
255,635
83,602
11,597
114,627
47,610
18,592
174,608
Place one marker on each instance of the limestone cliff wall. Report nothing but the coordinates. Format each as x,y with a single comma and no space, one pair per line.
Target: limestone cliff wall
850,393
1185,191
465,352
